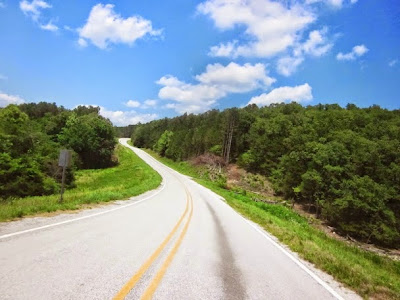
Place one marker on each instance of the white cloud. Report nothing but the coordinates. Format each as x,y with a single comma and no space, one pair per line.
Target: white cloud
2,5
124,118
49,26
393,62
3,77
332,3
190,97
298,93
223,50
215,83
356,52
82,43
316,45
288,65
272,27
149,103
132,103
33,8
105,27
6,99
146,104
235,78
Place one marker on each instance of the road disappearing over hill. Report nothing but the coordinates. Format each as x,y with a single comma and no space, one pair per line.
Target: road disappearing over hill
180,241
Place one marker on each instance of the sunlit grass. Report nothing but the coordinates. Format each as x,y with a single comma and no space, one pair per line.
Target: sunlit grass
130,178
369,274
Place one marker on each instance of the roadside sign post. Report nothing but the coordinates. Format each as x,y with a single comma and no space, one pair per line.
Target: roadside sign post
64,161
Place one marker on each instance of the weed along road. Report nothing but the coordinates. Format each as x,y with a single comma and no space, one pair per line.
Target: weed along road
180,241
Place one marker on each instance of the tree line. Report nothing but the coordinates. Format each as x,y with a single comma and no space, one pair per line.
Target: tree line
31,136
344,163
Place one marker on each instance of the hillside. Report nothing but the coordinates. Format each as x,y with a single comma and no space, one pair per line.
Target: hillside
343,163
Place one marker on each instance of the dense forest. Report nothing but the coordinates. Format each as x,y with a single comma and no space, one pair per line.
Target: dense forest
31,136
342,162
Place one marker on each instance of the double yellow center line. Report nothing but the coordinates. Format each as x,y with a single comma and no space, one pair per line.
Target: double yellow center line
148,293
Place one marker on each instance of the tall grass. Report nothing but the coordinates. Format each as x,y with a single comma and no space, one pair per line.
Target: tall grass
130,178
370,275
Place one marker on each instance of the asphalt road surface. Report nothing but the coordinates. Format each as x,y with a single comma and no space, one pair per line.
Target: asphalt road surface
180,241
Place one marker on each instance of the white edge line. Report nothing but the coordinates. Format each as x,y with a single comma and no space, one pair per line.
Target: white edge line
266,236
287,253
294,259
163,183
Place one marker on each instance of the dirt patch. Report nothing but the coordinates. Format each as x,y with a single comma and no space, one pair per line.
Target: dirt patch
260,189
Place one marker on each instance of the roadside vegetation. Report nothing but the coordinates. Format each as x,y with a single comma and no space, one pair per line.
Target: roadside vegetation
343,164
370,275
31,137
131,177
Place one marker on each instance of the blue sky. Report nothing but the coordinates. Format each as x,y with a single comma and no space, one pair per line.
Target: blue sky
144,60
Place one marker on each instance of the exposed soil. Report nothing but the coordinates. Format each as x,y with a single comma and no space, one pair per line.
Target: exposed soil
261,188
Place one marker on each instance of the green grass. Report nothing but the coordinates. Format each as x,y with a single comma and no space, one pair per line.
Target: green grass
370,275
130,178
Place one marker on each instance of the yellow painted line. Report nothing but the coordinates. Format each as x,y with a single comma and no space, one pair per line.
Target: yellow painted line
135,278
158,277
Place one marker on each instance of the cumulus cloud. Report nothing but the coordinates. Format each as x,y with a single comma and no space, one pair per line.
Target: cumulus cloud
288,65
316,45
300,93
33,8
356,52
146,104
192,98
132,103
124,118
49,26
215,83
235,78
6,99
150,103
104,27
271,26
223,50
332,3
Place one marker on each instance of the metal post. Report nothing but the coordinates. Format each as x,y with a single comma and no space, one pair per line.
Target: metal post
62,183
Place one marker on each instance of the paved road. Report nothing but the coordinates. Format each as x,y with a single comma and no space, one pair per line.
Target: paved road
180,241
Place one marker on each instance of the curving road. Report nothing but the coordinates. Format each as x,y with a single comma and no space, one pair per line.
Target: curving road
180,241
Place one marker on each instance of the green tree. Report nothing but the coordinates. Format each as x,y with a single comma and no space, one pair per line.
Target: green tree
163,142
92,137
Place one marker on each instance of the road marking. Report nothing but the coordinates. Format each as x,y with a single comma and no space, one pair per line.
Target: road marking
296,261
161,272
164,183
277,245
264,234
136,277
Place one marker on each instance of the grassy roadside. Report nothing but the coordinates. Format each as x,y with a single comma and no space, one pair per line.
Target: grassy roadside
370,275
130,178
